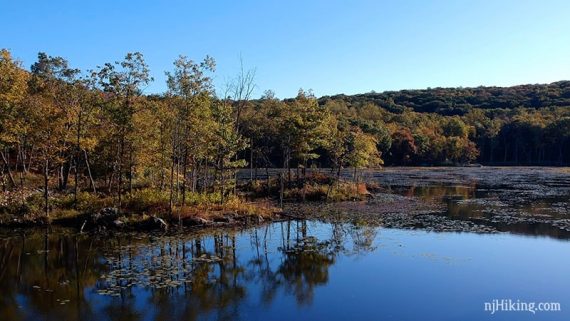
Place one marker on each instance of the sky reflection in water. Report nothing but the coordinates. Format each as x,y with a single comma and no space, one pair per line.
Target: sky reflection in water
282,271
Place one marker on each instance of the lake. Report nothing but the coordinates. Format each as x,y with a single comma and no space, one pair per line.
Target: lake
311,269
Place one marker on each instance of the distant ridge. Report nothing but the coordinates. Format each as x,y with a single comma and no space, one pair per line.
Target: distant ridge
457,101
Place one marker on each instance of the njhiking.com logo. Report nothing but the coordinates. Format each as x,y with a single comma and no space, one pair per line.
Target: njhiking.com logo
509,305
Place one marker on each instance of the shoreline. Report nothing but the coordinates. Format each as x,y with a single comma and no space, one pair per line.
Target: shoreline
481,200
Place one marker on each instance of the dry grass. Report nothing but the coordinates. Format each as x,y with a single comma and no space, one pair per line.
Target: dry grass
234,208
314,187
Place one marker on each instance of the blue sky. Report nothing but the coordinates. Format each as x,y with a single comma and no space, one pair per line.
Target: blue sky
329,46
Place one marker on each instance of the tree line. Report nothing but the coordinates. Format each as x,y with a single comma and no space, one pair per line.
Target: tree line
490,136
458,101
97,131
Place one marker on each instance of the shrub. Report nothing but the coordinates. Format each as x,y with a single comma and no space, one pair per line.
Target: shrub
86,202
194,198
148,199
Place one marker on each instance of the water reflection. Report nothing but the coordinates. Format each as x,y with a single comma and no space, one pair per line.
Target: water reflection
282,271
521,210
62,275
40,273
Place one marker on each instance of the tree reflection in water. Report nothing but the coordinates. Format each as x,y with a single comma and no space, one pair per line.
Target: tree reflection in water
57,274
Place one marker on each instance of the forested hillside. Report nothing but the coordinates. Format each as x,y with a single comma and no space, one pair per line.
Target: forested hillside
520,125
458,101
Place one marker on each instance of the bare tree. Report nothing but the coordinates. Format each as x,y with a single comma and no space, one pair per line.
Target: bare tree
242,88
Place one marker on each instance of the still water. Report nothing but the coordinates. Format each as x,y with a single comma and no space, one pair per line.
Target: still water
296,270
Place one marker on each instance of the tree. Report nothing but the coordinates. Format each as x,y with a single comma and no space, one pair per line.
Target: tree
13,91
226,142
49,106
242,88
558,137
362,151
301,129
403,146
259,127
85,111
192,87
338,144
455,127
123,82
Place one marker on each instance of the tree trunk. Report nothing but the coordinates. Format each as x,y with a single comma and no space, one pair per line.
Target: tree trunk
30,159
162,159
268,180
171,203
222,180
23,162
333,182
76,177
3,179
65,170
91,181
59,173
131,169
206,177
251,165
177,178
195,173
304,172
492,151
46,192
281,189
120,180
289,168
516,152
184,175
77,152
7,163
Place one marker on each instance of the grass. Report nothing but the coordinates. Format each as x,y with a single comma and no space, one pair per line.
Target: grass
205,207
233,208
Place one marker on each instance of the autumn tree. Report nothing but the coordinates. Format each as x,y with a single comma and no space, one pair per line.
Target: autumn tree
259,127
49,106
226,143
191,87
300,129
403,147
123,82
362,151
13,91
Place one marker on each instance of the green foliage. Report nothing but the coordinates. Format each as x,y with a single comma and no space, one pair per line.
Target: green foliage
455,127
86,202
363,152
451,101
195,198
147,200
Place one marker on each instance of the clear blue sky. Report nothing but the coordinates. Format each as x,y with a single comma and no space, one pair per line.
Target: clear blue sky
330,46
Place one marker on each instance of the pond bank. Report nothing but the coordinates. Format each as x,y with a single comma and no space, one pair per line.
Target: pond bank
527,200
